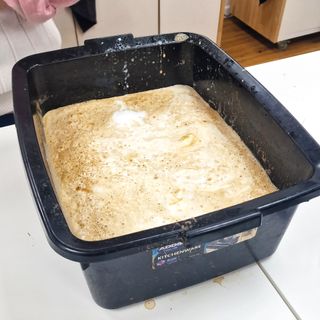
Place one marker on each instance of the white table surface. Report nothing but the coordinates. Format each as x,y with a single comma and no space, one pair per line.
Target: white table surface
295,266
36,283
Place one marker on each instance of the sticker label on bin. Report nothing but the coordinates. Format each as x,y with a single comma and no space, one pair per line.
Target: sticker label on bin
229,241
175,252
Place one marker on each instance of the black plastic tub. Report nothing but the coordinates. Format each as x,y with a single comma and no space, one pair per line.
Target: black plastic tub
131,268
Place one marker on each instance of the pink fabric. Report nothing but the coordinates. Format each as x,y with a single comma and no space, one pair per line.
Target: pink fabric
38,10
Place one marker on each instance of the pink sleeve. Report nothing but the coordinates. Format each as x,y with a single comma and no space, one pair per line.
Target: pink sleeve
38,10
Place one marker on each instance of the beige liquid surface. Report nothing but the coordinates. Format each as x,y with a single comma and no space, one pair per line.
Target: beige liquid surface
130,163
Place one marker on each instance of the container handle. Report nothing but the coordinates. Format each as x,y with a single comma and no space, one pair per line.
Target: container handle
232,231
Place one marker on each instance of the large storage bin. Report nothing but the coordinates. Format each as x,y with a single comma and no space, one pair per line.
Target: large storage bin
145,264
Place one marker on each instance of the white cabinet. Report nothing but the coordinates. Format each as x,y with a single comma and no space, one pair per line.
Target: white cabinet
66,26
279,20
202,16
139,17
146,17
299,18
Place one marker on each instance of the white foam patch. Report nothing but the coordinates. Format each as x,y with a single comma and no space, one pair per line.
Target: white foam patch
99,189
126,118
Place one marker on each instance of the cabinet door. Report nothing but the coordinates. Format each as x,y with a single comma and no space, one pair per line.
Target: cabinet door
191,16
264,18
300,18
64,21
114,17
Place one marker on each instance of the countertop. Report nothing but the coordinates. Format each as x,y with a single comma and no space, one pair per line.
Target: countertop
36,283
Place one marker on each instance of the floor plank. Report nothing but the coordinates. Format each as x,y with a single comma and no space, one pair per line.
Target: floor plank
250,48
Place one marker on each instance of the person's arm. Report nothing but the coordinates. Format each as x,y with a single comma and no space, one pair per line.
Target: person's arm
20,38
38,10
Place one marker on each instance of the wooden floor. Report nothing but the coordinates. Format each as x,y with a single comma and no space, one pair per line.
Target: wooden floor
249,48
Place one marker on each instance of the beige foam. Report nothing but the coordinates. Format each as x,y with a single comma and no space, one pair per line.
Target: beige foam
130,163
